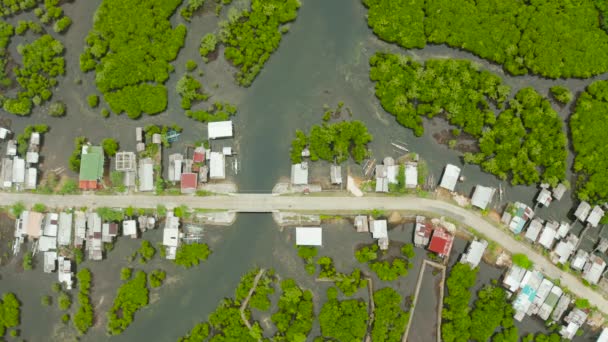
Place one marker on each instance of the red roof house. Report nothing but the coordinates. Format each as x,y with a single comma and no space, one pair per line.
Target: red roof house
199,155
441,242
188,183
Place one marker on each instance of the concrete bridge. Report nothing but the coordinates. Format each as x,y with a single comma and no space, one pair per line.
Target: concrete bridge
260,203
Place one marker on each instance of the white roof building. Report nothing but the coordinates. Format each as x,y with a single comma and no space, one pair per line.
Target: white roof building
4,133
379,229
31,157
35,138
564,249
579,261
547,238
65,272
582,211
227,150
593,269
513,278
562,231
219,129
47,243
550,302
11,148
175,167
559,191
335,174
309,236
575,319
450,177
51,223
18,170
299,174
146,174
64,231
391,173
171,235
411,175
544,197
80,228
217,165
50,258
474,253
125,161
31,178
534,229
129,228
482,196
603,336
7,172
596,215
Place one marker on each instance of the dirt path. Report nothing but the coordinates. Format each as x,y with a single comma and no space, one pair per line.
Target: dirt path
246,301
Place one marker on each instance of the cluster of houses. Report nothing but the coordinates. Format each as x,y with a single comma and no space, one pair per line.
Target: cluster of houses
19,171
189,170
388,172
536,295
56,234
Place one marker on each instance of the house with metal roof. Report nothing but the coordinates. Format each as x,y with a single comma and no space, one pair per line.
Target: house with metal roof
146,174
217,167
219,129
575,320
603,336
362,224
559,191
482,196
379,231
549,304
129,228
31,178
582,211
125,161
91,167
593,269
513,278
94,244
31,157
174,172
32,223
80,227
534,229
47,243
548,235
560,309
4,133
562,231
18,170
541,295
579,261
441,242
335,174
450,177
171,236
309,236
64,274
51,224
6,173
544,197
422,232
189,183
411,175
596,215
530,284
519,215
35,138
564,249
50,260
64,229
474,253
108,232
299,173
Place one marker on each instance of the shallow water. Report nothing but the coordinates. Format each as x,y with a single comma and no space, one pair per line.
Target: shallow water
322,60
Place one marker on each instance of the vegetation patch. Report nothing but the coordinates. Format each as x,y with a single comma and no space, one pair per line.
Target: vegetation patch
386,270
130,47
510,33
295,316
189,255
492,311
344,320
132,296
6,32
83,319
452,88
526,144
589,127
389,319
10,308
252,35
456,320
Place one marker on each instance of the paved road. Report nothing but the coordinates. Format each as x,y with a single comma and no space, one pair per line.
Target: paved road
269,202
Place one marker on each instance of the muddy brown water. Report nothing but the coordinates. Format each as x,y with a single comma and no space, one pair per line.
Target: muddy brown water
322,60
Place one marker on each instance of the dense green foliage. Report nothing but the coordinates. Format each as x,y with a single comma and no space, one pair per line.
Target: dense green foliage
251,36
6,32
93,100
550,38
146,251
308,254
190,90
189,255
456,320
110,214
407,251
57,109
343,320
126,273
10,7
27,263
347,283
295,315
190,65
64,301
561,94
208,45
454,88
156,278
199,333
589,127
23,140
333,142
191,7
367,253
521,260
130,47
526,144
74,162
389,319
83,319
9,312
132,296
259,299
491,312
42,62
389,271
110,146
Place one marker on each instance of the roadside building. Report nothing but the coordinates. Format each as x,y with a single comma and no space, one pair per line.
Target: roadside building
174,172
530,284
534,229
126,162
422,232
47,243
198,156
171,236
593,269
474,253
64,229
80,227
217,166
391,170
513,278
11,148
482,196
146,174
335,174
91,168
575,320
32,223
559,191
603,244
309,236
560,309
361,224
549,304
18,171
582,211
544,197
517,215
579,261
188,183
94,244
109,231
219,129
51,224
411,175
50,260
450,177
596,215
31,178
381,178
541,295
6,173
64,273
129,228
547,237
379,231
299,173
564,249
441,242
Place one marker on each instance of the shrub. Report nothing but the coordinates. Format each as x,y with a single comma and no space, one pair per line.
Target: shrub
189,255
93,100
57,109
522,261
190,65
156,278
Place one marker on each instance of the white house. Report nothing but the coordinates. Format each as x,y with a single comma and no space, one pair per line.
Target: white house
482,196
217,165
309,236
219,129
450,177
299,174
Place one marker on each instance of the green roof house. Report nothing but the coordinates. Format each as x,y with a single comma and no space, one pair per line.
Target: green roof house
91,167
